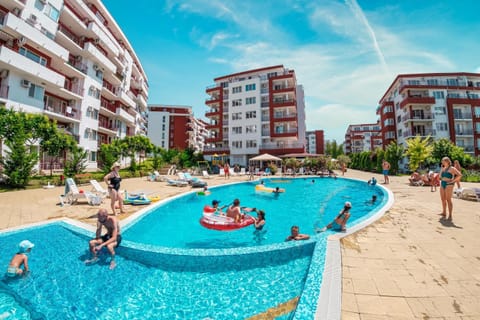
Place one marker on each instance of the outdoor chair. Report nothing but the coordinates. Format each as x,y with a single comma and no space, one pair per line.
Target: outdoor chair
98,189
73,194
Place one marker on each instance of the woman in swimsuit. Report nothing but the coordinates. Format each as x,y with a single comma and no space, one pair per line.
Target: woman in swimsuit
340,221
448,176
113,182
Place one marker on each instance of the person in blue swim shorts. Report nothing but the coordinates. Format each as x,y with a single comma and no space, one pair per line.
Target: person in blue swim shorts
20,259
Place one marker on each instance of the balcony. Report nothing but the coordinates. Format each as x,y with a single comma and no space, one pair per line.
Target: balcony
98,33
97,55
421,133
283,88
59,110
278,116
421,117
213,88
212,100
212,113
105,127
275,149
463,132
417,100
283,102
125,115
24,65
216,150
462,115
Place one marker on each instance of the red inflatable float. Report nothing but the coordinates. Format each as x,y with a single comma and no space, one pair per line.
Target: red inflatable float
210,220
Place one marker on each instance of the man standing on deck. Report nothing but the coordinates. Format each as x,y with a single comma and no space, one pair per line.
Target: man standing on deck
386,169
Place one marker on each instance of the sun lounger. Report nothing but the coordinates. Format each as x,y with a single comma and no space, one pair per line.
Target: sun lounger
205,174
73,194
98,189
177,183
470,194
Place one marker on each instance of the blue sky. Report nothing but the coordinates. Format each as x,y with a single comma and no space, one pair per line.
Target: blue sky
344,53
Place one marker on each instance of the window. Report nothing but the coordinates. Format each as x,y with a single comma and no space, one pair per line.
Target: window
32,56
397,106
237,89
251,129
388,122
163,119
477,111
163,127
236,130
52,12
271,74
452,82
237,116
440,110
250,87
438,94
442,126
432,82
94,92
93,156
99,74
236,144
236,103
36,92
413,82
251,143
399,132
387,109
251,114
251,100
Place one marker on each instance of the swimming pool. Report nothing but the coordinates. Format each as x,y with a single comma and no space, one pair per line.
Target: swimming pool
234,281
306,203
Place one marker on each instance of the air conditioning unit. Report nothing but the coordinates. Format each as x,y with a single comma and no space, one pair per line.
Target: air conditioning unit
96,41
95,67
72,102
16,11
43,1
74,80
4,73
78,58
21,41
25,83
82,38
32,18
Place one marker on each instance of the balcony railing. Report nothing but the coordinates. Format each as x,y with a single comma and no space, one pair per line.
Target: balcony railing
425,116
462,116
59,108
422,133
465,132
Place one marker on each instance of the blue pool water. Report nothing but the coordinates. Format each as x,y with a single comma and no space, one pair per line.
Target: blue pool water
169,267
61,286
305,203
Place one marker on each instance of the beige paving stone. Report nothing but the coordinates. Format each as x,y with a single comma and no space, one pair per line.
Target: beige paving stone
347,285
364,286
397,306
349,302
387,287
370,304
346,315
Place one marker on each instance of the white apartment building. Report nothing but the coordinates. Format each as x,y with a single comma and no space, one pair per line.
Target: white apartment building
363,137
175,127
439,105
70,61
253,112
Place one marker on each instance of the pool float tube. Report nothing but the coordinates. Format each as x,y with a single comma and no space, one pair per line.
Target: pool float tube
212,221
137,200
154,198
262,188
203,193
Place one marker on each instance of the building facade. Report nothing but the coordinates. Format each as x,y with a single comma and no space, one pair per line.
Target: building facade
363,137
315,142
70,61
255,111
439,105
175,127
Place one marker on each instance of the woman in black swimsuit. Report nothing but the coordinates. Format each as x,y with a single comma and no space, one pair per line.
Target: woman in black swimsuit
113,182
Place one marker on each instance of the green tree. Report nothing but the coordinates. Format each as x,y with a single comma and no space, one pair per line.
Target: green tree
418,151
109,153
332,149
76,162
19,162
56,145
393,154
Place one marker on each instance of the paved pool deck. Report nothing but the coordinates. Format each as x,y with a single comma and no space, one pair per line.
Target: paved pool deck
409,264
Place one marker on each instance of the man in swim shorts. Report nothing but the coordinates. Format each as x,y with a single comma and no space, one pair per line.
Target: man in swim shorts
110,240
385,170
20,259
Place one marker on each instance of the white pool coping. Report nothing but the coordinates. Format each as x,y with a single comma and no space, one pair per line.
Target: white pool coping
329,305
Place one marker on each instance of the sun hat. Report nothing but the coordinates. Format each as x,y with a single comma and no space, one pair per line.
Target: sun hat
348,204
214,202
116,164
25,245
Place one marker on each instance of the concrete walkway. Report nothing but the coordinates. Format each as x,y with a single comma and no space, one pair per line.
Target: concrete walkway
407,265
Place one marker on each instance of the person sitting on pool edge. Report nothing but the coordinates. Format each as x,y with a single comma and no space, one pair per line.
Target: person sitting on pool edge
372,181
340,221
20,259
110,240
296,235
